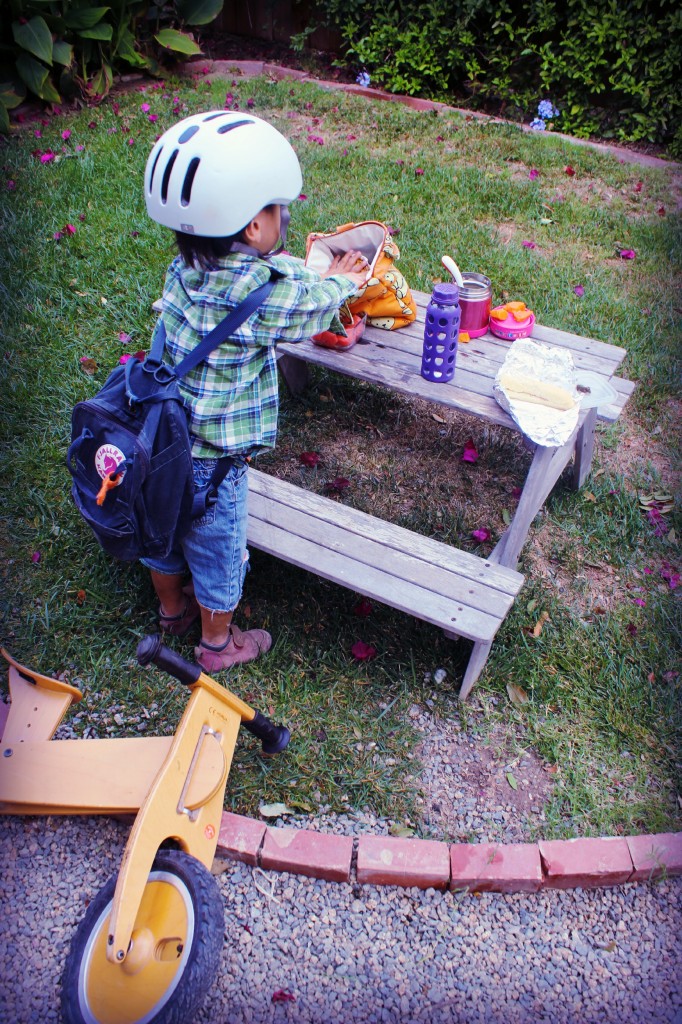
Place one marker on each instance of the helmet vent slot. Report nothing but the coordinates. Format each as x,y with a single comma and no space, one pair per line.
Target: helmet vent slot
189,133
189,180
153,170
167,174
233,124
212,117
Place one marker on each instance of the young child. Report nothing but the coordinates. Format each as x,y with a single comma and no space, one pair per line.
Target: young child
223,181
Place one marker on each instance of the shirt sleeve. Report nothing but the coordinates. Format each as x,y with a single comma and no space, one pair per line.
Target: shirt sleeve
302,303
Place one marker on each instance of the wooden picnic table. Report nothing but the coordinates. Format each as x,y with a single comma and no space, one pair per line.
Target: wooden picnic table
462,593
392,359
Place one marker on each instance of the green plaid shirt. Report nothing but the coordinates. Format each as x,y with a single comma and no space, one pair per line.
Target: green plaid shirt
233,395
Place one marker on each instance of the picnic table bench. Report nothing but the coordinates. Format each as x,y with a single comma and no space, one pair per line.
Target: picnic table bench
461,593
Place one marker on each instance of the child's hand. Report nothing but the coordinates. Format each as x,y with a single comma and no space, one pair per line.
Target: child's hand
352,265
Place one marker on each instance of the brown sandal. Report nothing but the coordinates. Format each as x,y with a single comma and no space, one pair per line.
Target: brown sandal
240,646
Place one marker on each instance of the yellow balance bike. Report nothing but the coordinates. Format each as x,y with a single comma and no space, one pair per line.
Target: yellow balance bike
148,948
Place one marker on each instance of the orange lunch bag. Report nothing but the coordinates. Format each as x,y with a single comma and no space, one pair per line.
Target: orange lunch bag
386,298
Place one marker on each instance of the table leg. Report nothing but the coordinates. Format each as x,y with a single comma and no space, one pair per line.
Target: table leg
547,466
294,371
477,660
584,449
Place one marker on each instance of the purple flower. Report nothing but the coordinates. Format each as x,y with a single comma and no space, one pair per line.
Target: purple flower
537,124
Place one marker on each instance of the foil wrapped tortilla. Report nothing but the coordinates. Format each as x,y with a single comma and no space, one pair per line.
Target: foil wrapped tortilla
543,425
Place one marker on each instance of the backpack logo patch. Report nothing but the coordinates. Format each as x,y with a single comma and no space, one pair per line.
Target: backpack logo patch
107,460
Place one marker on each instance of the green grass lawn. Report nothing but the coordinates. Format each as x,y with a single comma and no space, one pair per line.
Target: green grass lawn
81,266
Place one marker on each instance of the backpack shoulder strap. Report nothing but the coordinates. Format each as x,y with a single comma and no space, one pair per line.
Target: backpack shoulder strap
226,327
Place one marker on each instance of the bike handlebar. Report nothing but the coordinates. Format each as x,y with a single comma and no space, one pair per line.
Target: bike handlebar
274,738
152,649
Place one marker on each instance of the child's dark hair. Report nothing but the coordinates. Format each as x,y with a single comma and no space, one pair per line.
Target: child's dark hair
203,252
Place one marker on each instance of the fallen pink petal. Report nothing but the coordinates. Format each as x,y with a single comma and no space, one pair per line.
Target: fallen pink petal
631,628
528,245
123,337
36,556
145,108
363,608
419,171
469,454
480,535
638,187
362,651
302,197
309,458
282,996
57,235
640,602
533,174
69,229
579,290
569,170
152,118
66,135
627,254
46,158
10,185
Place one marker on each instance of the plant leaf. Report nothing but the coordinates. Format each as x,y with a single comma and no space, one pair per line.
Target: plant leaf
178,41
4,119
274,810
35,37
12,94
62,53
102,31
199,12
401,831
512,781
517,695
84,17
32,73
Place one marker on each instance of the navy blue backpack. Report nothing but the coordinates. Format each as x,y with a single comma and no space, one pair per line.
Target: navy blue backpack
130,455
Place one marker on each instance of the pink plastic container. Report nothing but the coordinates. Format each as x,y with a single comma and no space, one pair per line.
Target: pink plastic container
511,329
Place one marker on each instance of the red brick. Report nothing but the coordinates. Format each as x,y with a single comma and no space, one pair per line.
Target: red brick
240,838
383,860
654,856
303,852
486,867
568,863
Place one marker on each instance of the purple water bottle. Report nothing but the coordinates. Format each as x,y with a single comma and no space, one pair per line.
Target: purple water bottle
441,330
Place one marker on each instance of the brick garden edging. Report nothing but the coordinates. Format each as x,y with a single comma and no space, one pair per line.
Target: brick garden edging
427,864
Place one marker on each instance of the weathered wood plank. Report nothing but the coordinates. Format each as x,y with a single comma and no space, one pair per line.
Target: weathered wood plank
360,525
369,557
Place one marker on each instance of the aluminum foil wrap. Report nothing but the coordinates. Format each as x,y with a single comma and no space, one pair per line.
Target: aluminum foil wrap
547,427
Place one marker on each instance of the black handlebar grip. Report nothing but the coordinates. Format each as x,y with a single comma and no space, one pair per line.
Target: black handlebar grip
274,737
151,648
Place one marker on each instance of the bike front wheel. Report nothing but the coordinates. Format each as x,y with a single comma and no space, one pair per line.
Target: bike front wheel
171,962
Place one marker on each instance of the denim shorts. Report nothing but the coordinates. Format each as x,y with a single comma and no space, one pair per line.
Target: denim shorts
215,549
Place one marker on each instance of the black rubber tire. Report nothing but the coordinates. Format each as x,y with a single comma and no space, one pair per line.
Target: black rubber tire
195,883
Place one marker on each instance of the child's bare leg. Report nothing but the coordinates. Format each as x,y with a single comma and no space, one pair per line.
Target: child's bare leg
214,626
172,598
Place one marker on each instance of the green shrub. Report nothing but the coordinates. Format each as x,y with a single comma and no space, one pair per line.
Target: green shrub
55,48
611,67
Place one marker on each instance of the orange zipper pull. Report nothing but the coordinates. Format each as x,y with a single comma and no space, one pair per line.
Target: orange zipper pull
110,481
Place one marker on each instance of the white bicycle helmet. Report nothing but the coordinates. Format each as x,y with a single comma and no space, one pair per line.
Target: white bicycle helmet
210,174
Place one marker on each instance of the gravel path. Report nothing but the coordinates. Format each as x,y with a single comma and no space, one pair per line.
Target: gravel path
357,953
